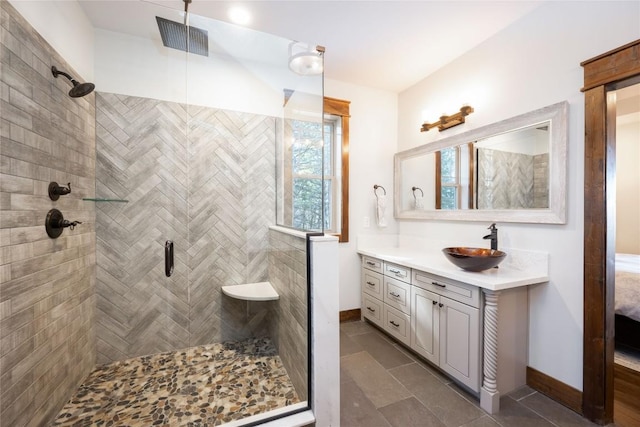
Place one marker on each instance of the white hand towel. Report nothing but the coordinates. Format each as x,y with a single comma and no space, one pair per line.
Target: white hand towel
419,204
381,208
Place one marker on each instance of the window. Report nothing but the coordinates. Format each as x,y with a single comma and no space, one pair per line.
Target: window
454,177
311,156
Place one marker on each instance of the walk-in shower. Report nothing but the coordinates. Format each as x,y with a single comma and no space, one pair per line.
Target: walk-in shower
191,149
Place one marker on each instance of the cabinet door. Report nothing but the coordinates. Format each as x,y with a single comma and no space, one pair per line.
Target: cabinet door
459,342
425,324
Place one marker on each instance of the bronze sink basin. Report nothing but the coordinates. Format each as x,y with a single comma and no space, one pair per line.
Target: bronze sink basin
474,259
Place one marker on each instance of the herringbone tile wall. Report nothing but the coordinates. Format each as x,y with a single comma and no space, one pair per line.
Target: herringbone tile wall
47,339
505,180
202,177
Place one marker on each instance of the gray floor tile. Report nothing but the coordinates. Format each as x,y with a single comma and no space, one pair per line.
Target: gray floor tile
380,387
356,410
514,414
348,345
450,408
356,328
484,421
521,393
410,413
554,412
380,349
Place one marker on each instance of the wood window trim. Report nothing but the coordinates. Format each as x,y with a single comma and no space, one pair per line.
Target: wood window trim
600,75
339,107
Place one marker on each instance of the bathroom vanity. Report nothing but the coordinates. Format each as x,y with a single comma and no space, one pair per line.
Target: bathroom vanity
473,326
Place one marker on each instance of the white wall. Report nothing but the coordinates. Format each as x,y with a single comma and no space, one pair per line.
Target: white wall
628,188
66,28
372,144
143,67
529,65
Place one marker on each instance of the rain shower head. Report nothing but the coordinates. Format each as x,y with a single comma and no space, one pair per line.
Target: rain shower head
174,35
79,89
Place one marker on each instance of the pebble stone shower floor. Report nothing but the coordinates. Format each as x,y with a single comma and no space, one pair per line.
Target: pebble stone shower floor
199,386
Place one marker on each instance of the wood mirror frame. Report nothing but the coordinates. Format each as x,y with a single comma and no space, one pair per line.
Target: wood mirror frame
601,74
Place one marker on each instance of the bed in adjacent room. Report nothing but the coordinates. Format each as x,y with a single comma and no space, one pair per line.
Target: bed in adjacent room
627,297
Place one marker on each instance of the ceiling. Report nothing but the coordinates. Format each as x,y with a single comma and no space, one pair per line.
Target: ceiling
388,45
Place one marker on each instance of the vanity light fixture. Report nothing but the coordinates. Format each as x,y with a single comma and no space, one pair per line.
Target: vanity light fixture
447,122
304,60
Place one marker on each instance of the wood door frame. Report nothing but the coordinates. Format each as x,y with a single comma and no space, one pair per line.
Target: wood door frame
601,75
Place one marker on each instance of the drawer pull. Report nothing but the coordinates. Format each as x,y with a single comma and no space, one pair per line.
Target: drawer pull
393,270
371,263
371,309
394,294
438,284
371,284
394,323
434,302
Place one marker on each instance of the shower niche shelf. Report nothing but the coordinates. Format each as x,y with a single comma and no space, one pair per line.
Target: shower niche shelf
261,291
99,199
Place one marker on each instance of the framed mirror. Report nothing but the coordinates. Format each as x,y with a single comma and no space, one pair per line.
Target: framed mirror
510,171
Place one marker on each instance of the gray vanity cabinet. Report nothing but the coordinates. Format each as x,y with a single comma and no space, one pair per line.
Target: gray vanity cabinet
446,331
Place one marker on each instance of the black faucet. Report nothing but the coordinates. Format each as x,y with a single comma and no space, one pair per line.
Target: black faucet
493,236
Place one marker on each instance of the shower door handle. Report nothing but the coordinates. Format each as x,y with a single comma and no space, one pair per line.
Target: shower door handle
168,258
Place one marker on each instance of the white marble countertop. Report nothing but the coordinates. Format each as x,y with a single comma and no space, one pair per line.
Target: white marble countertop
520,268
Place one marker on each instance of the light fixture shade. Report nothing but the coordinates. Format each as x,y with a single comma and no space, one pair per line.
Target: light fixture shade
306,62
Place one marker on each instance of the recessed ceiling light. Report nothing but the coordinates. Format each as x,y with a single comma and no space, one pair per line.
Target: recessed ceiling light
239,15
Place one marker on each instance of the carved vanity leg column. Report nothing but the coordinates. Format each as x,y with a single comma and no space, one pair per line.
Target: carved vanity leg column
489,395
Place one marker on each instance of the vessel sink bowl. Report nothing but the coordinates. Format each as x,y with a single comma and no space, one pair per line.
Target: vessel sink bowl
474,259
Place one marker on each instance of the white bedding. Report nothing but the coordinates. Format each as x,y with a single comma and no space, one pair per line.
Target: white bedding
628,286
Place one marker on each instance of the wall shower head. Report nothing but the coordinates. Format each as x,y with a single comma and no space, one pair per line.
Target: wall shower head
79,89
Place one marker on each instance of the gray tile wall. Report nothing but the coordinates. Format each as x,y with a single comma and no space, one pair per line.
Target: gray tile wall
288,326
47,339
505,180
202,177
541,181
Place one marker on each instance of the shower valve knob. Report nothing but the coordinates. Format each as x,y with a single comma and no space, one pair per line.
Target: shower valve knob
55,223
55,190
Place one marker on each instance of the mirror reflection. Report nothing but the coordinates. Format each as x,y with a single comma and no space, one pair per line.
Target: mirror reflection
510,166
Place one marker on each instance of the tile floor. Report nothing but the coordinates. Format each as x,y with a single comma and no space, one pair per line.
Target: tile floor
199,386
383,385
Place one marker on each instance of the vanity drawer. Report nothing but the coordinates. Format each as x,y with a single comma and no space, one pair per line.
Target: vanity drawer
372,283
397,294
458,291
397,324
397,271
372,264
372,310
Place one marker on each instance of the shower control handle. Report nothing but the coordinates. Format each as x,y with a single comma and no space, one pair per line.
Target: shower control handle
168,258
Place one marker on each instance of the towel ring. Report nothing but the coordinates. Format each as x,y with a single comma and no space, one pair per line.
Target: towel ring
413,189
375,187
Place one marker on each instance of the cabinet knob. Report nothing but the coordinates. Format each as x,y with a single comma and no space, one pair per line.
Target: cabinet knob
394,323
434,302
441,305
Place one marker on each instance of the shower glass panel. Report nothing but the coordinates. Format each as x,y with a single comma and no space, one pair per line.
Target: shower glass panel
196,144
